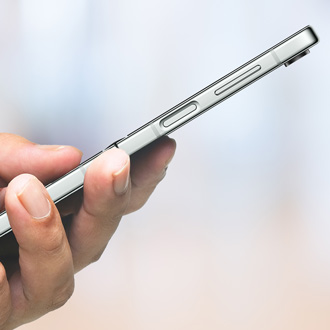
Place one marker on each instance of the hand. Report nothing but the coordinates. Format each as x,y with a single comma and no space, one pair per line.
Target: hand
43,278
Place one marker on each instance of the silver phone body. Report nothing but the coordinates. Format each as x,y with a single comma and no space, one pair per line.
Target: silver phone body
285,52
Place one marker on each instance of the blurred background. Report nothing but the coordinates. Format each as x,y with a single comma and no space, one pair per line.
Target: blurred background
237,235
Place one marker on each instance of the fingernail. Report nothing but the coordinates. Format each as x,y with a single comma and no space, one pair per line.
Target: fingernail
33,199
121,179
50,147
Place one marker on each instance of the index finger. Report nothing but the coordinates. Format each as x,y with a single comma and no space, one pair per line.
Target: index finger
19,155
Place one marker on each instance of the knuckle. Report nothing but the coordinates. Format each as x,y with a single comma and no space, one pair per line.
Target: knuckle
159,178
55,243
111,223
61,296
106,222
96,257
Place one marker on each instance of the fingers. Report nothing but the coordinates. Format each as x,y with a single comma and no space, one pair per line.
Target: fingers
47,261
5,299
106,194
45,280
148,169
19,155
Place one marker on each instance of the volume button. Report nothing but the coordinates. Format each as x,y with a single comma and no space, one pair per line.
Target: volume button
237,80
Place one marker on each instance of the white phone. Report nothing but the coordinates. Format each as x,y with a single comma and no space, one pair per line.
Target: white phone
286,52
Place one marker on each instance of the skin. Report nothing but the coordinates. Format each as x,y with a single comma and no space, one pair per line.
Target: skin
41,279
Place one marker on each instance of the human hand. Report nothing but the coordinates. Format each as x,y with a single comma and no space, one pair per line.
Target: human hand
43,278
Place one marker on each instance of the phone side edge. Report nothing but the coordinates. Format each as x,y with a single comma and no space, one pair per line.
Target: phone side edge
73,181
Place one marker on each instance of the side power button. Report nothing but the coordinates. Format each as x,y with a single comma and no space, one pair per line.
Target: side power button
179,114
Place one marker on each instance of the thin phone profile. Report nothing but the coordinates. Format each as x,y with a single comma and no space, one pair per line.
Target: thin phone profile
284,53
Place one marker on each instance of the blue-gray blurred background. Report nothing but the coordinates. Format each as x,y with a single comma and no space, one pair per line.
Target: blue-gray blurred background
237,235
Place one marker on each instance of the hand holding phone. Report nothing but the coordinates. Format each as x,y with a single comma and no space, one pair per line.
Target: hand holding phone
42,278
284,53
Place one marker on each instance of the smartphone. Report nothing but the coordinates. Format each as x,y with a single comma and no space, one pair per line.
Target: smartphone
284,53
